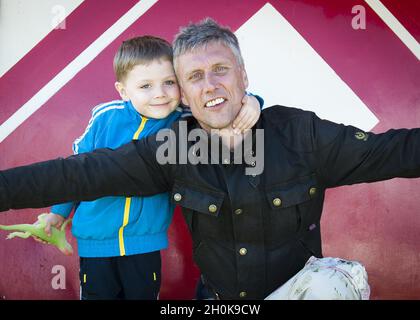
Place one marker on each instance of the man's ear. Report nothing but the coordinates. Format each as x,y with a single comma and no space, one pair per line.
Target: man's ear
245,77
121,90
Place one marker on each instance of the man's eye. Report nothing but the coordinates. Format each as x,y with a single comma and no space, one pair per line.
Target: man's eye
219,69
145,86
196,76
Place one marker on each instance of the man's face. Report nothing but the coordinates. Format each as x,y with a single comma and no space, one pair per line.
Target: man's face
213,84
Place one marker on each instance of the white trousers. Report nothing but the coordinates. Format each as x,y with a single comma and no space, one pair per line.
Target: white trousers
326,279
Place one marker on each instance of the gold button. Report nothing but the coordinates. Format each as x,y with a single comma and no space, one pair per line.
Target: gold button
243,251
177,197
212,208
277,202
242,294
312,191
226,161
238,211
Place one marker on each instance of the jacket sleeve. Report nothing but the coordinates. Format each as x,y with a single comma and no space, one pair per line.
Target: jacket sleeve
347,155
85,143
131,170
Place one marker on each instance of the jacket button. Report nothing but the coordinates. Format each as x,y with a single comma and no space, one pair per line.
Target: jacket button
212,208
277,202
243,251
177,197
242,294
238,211
312,191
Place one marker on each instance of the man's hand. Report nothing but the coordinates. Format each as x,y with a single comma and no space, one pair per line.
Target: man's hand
248,116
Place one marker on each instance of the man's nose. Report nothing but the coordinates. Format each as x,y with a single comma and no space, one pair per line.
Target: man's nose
210,82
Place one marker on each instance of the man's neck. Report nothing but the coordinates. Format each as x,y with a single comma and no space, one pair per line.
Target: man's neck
226,135
229,138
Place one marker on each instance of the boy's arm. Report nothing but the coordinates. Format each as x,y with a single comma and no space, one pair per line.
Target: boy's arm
130,170
84,143
249,113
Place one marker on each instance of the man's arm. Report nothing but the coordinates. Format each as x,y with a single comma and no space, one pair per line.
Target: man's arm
348,155
127,171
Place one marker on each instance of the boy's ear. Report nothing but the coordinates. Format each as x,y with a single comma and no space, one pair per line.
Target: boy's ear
121,90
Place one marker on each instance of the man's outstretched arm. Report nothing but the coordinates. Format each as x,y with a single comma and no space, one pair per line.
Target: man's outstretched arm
129,170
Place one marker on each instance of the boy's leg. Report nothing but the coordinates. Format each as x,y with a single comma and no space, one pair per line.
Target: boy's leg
140,275
99,279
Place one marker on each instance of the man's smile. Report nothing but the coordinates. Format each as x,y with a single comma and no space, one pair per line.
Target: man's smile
215,102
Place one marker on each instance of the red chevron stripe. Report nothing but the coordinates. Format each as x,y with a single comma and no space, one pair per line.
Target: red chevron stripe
56,50
407,12
358,56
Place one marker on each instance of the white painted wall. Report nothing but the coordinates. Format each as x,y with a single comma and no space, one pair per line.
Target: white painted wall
284,69
23,23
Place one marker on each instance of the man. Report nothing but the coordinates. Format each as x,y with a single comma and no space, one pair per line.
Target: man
251,232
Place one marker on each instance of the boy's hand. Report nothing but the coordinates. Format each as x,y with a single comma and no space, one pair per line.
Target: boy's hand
51,219
249,114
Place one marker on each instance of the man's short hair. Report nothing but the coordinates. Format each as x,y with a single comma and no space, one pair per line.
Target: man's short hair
140,50
200,34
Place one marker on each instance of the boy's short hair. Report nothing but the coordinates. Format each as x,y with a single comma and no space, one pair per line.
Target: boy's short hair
140,50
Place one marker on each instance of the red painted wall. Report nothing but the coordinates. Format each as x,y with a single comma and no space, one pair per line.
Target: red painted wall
377,224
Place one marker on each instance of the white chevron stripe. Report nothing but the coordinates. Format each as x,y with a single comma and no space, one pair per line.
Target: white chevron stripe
81,61
23,24
284,69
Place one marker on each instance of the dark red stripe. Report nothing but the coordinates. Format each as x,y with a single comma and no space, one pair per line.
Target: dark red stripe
407,13
377,66
86,23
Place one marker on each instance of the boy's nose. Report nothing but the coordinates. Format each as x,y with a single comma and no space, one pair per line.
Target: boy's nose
160,92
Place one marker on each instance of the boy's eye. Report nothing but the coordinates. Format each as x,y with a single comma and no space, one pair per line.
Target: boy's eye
145,86
170,82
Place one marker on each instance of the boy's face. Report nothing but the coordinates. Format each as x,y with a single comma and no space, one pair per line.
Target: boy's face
152,89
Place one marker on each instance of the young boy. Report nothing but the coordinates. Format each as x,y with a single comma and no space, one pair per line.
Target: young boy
119,238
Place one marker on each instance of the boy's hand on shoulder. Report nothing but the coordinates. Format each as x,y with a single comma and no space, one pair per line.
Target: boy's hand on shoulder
249,114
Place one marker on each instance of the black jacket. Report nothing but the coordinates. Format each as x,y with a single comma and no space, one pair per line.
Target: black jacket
250,233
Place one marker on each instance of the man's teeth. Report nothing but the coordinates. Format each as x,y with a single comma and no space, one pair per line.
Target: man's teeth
215,102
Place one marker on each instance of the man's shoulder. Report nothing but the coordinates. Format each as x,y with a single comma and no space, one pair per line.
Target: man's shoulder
279,114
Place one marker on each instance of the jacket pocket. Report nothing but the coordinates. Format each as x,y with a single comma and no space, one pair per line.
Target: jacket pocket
292,193
291,207
197,199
